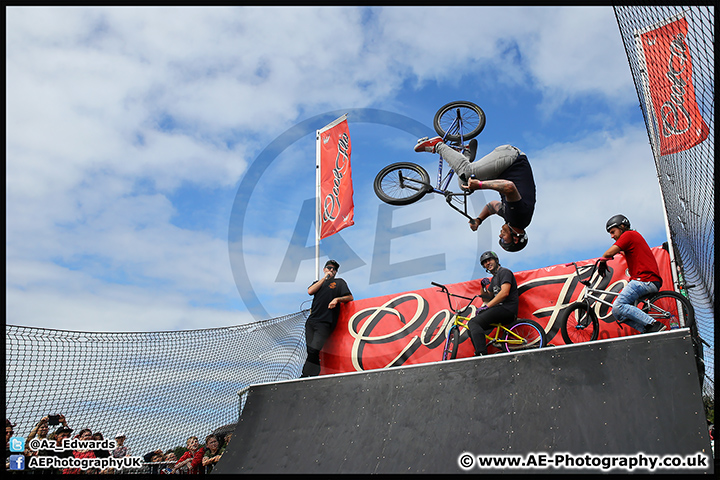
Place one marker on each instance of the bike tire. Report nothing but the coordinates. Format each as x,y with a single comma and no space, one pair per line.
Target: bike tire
452,343
530,330
402,183
579,324
667,306
473,118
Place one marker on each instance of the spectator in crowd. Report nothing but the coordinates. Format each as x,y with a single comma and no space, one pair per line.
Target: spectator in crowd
711,433
84,435
58,436
40,430
192,459
154,459
213,452
170,459
120,450
98,436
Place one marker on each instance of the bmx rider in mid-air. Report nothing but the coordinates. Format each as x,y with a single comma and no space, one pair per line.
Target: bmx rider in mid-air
505,170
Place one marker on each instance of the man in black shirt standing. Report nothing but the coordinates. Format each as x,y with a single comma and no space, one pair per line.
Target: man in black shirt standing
328,293
501,301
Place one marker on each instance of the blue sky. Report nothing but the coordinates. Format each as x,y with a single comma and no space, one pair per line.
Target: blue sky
130,132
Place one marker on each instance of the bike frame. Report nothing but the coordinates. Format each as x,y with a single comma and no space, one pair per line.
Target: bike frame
461,322
590,299
588,295
589,291
443,183
495,339
681,313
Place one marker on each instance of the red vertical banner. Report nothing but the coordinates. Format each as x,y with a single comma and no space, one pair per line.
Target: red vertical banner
669,70
336,190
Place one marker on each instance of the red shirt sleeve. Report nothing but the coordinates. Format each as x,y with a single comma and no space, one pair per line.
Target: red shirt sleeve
640,260
196,464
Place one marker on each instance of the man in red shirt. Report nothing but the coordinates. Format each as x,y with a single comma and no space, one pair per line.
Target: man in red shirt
644,274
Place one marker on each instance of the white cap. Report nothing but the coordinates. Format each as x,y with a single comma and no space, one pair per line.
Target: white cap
120,434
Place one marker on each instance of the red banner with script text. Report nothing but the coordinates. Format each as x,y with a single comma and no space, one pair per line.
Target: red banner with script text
409,328
336,190
669,70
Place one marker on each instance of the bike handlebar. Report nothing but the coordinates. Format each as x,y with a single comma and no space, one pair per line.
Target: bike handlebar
444,289
577,269
601,259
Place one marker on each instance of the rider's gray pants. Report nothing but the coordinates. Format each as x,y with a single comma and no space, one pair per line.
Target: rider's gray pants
486,168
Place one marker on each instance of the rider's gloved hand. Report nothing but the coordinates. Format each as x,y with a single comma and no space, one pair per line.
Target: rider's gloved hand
475,223
485,283
602,268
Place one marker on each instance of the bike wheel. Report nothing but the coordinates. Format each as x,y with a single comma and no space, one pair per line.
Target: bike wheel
530,331
402,183
472,121
669,308
578,324
452,343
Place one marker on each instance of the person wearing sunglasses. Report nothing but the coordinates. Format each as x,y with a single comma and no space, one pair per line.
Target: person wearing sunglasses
328,293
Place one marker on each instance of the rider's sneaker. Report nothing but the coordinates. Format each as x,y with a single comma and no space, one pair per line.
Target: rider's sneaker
471,150
655,327
426,144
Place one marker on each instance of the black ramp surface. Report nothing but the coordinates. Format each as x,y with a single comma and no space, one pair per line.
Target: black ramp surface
637,396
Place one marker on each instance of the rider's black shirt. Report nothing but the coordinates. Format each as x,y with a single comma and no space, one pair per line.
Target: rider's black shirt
519,214
505,275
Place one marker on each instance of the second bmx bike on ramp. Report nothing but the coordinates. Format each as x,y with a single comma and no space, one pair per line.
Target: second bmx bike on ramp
521,334
579,321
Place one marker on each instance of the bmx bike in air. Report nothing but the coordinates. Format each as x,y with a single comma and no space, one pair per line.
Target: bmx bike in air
404,183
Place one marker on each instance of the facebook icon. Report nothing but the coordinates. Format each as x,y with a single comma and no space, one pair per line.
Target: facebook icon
17,462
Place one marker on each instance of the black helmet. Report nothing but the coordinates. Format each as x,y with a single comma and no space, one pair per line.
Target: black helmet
487,255
617,221
512,246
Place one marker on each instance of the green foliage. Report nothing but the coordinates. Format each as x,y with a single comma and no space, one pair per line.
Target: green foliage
709,403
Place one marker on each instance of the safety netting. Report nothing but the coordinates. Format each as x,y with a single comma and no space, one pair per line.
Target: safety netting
158,388
670,50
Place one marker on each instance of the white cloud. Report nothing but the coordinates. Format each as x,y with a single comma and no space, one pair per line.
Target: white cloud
564,52
49,296
114,112
581,185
